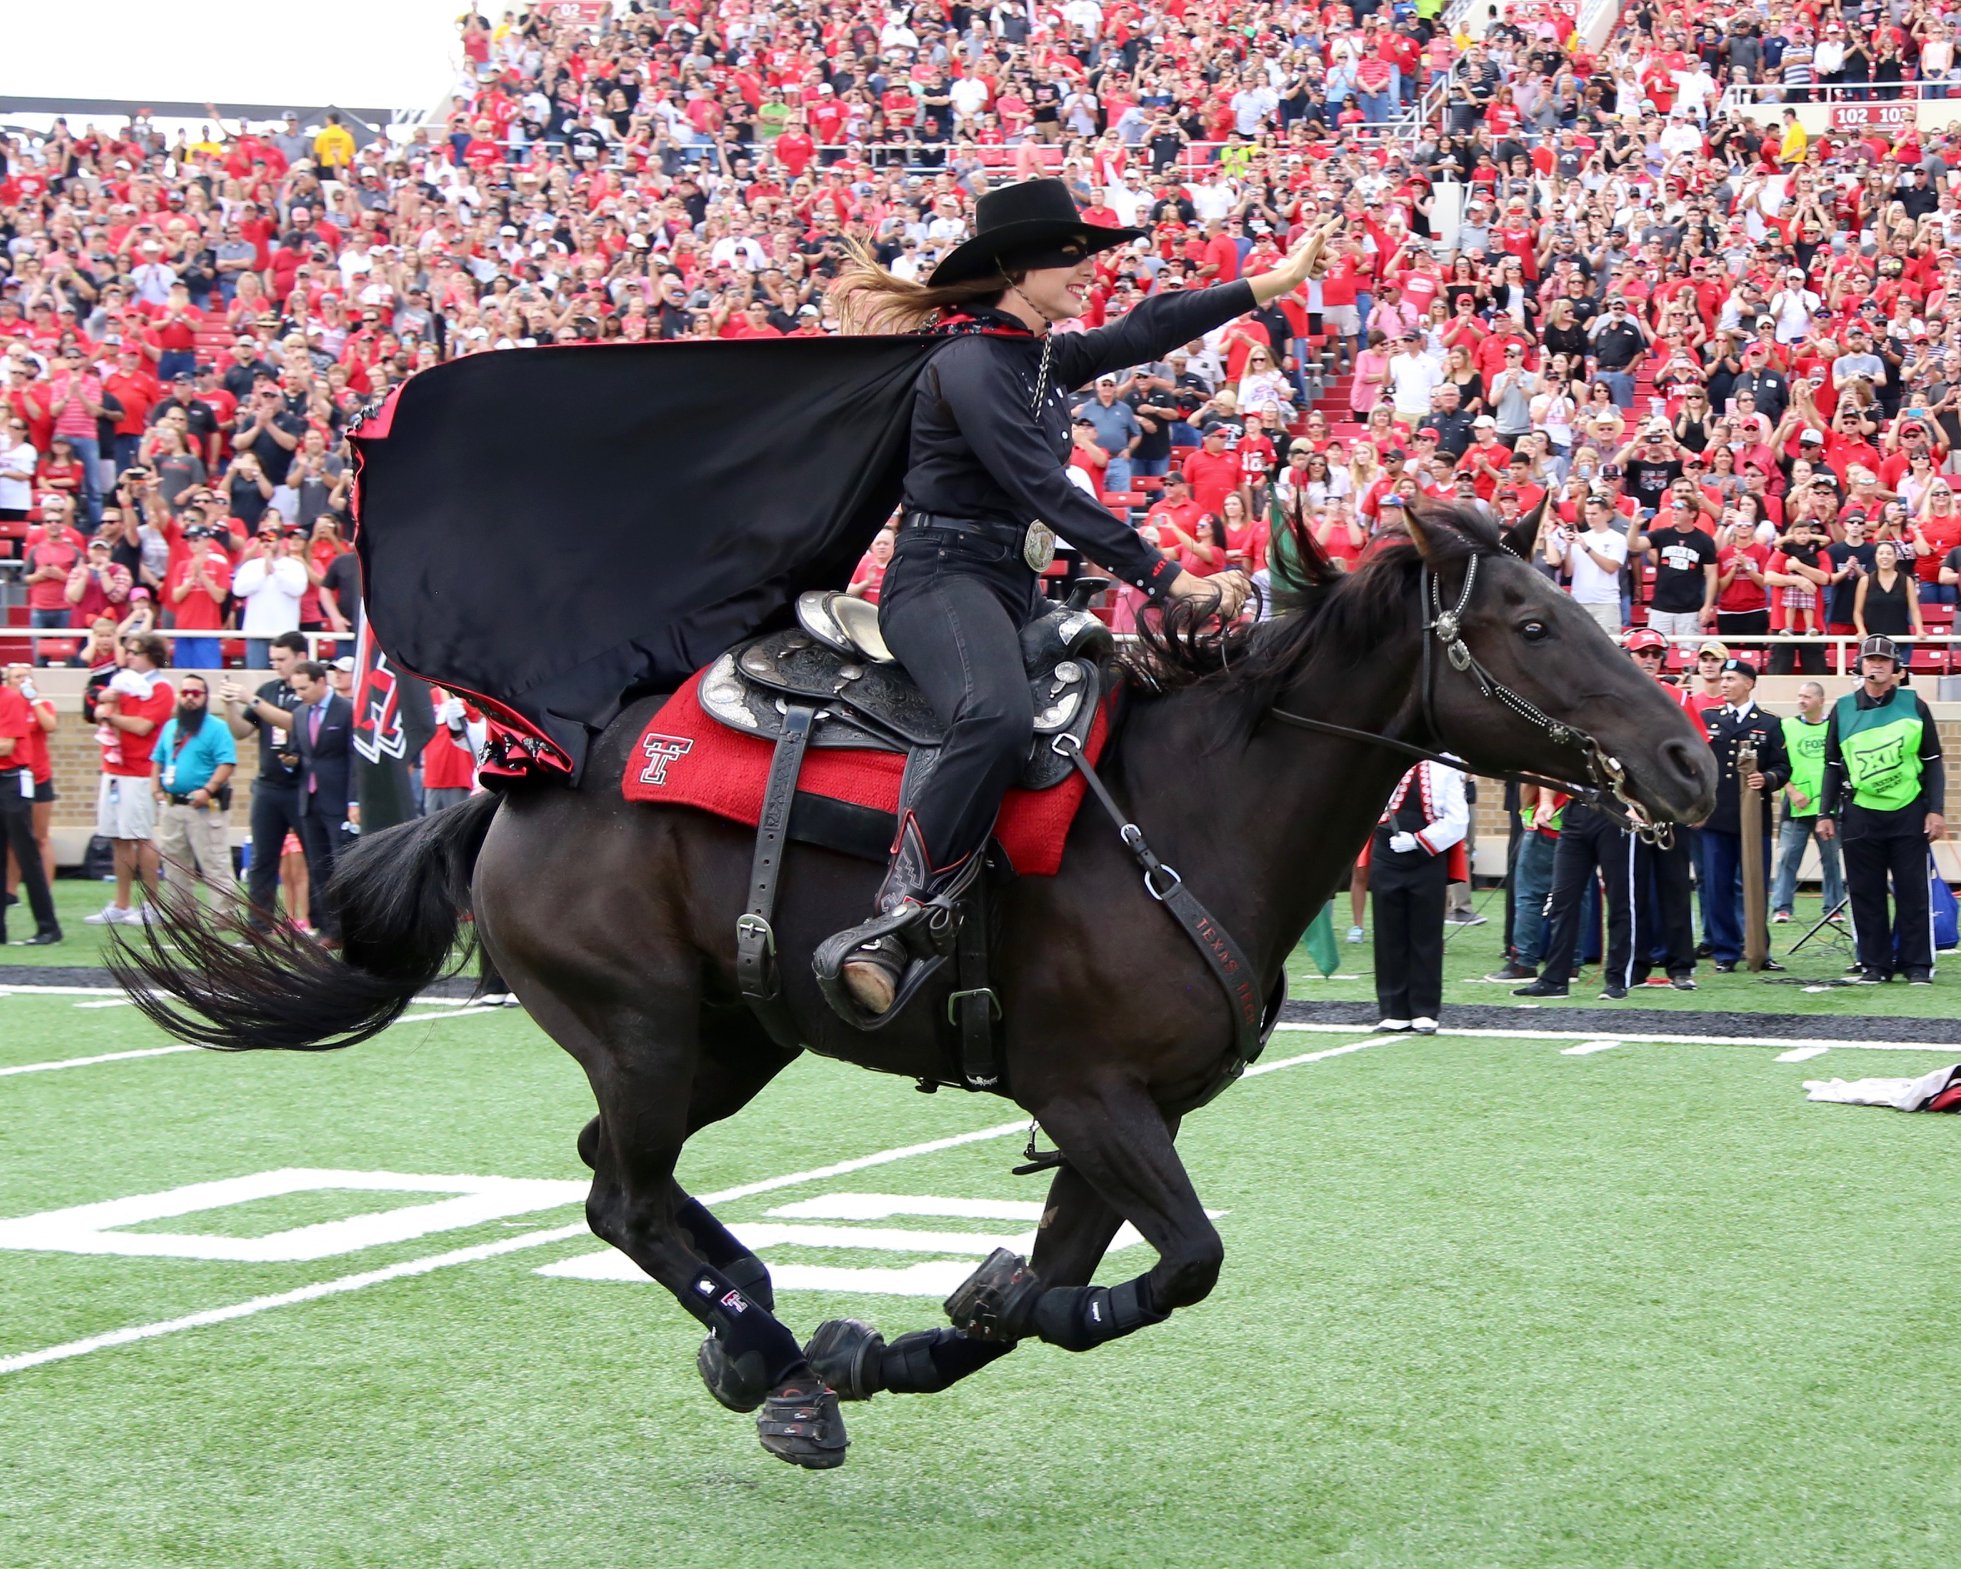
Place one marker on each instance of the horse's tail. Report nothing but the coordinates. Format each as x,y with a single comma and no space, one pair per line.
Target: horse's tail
211,977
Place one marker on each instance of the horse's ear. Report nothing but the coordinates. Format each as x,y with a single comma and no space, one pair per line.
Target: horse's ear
1430,532
1523,535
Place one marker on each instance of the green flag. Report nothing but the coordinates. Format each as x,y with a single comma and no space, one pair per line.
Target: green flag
1320,940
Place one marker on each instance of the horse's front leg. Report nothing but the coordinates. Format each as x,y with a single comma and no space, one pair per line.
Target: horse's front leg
1121,1145
858,1362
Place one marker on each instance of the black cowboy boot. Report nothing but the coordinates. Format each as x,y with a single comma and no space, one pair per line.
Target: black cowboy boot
867,971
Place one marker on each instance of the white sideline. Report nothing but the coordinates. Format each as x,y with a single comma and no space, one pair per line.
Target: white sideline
58,1063
21,1361
1785,1042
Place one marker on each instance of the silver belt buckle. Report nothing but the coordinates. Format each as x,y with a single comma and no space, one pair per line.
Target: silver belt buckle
1038,546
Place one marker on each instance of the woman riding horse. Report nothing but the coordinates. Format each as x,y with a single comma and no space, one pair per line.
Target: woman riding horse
986,491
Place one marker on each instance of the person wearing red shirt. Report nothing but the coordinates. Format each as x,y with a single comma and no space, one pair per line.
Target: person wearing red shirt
449,761
1212,471
1218,257
21,732
1176,509
131,709
46,564
795,149
132,386
194,591
1486,459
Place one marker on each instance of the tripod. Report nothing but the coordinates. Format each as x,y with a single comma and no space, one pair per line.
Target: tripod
1823,921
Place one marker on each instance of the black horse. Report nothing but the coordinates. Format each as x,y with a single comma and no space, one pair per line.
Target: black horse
614,925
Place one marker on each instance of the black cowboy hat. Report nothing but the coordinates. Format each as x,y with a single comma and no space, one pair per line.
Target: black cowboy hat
1033,224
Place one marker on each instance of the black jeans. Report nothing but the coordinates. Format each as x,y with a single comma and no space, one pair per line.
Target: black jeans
275,813
1870,861
952,611
17,835
1589,841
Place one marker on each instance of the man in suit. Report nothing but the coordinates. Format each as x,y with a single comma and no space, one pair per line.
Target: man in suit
322,728
1737,722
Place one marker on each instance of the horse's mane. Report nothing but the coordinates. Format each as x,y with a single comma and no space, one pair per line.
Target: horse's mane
1325,607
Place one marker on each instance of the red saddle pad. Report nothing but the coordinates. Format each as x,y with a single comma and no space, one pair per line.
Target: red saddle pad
686,757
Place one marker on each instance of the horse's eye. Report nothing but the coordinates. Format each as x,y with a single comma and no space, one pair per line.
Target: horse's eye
1535,631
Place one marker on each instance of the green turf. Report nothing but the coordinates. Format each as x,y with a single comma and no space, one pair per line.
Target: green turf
1484,1304
1473,952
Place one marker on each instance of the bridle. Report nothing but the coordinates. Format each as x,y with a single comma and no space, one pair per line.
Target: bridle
1606,793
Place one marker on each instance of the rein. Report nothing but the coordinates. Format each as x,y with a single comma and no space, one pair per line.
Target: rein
1608,795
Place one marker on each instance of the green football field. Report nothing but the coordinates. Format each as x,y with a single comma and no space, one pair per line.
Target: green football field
1488,1301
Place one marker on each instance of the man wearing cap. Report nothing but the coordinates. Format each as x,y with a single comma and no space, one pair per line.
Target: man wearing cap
1804,745
1117,430
1884,789
1413,376
1684,598
1619,339
1737,723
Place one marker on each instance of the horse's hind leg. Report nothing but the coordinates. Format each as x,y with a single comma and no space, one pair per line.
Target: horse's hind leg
652,1094
1121,1144
858,1362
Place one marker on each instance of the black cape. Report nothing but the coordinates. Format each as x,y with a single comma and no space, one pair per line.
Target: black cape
558,531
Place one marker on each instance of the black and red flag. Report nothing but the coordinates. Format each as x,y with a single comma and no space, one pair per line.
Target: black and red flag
394,719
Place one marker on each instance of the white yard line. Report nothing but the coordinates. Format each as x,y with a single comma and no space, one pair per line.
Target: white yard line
1587,1048
89,1062
1786,1042
470,1255
59,1063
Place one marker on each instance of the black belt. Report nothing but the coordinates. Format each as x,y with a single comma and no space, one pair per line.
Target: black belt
1000,533
178,800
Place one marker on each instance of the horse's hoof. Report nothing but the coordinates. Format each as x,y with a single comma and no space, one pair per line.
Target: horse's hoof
846,1353
997,1301
738,1382
800,1422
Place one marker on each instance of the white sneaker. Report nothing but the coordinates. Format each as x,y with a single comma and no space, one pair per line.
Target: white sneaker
145,915
111,915
1354,934
1392,1026
1423,1026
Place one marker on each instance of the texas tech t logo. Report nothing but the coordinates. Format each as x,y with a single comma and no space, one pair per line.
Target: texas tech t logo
662,750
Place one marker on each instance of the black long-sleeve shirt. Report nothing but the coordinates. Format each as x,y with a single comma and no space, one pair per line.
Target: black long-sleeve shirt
979,450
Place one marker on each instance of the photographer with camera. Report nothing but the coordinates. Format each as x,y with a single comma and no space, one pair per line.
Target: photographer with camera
268,715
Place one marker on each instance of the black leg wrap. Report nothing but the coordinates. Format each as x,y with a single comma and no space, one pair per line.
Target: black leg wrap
1079,1317
743,1327
719,1246
997,1301
929,1360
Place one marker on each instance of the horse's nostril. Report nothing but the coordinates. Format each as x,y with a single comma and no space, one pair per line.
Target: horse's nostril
1688,762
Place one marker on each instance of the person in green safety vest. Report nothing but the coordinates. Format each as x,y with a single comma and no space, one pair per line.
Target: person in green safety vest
1884,787
1804,744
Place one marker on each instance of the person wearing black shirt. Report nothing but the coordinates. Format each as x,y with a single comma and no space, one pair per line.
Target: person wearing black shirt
990,434
1618,341
270,431
1849,560
276,790
1652,463
1685,574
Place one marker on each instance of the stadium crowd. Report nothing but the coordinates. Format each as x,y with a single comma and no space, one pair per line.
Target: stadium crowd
1724,354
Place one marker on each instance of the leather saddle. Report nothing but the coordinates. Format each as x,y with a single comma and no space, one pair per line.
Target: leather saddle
835,662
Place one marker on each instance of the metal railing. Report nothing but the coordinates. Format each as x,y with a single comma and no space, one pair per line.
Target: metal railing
1906,97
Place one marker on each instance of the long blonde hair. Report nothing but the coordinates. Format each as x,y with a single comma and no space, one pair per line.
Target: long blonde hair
869,298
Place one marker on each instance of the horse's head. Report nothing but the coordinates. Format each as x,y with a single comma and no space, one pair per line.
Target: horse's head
1516,677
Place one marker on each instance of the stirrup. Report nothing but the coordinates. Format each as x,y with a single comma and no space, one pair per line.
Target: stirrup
881,939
